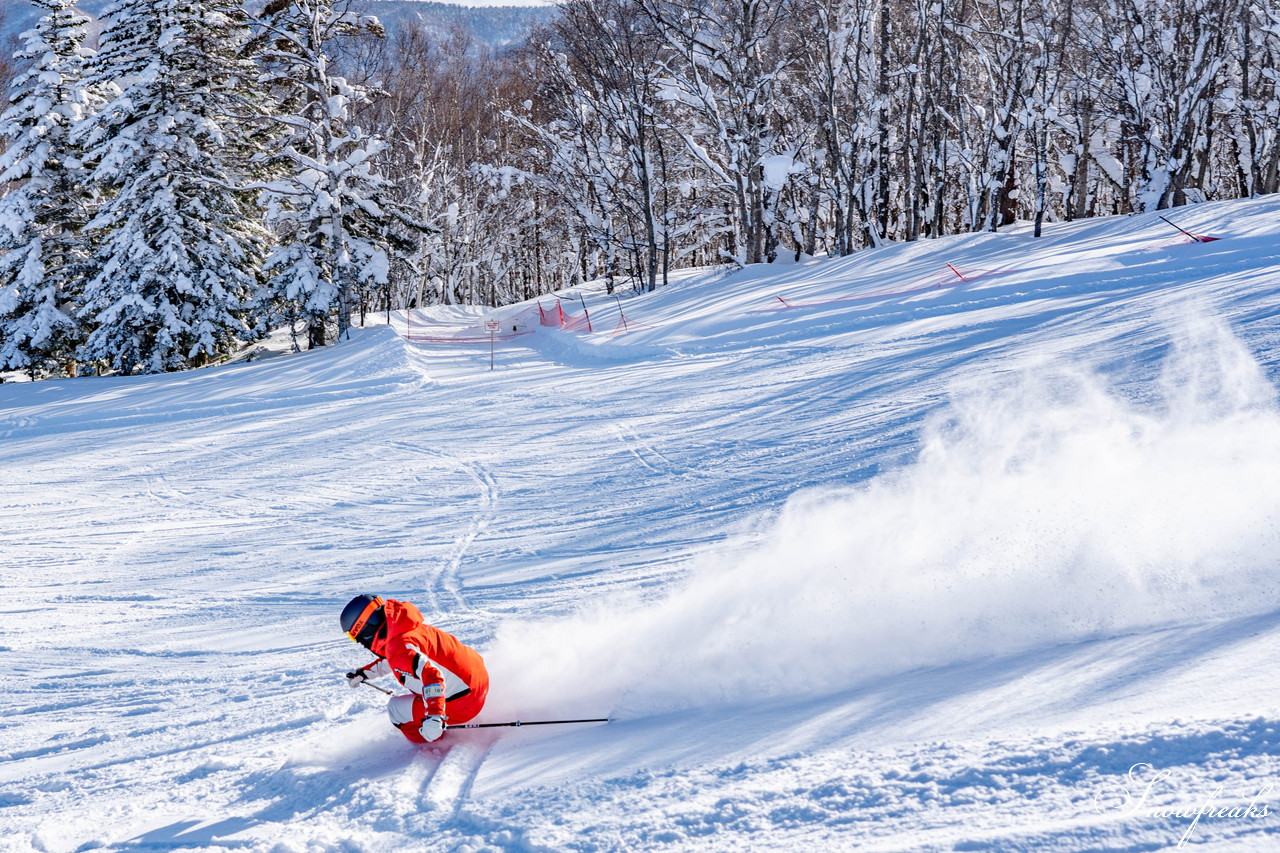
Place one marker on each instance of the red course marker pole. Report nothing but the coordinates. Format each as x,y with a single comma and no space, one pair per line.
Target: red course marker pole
621,314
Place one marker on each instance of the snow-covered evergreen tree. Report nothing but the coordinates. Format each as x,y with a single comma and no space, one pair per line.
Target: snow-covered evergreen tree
178,247
40,219
331,208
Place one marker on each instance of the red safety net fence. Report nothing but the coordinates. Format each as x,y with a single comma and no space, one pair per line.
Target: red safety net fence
952,278
577,322
626,324
557,318
1184,238
553,318
424,330
1190,237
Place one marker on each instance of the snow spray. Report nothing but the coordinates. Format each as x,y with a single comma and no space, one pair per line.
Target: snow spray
1047,508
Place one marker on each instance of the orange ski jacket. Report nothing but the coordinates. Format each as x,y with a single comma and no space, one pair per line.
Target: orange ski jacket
414,652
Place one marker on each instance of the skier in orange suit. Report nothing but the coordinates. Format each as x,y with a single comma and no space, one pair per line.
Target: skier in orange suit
417,655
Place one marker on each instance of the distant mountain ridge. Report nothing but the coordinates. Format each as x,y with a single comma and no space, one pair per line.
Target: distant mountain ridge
495,26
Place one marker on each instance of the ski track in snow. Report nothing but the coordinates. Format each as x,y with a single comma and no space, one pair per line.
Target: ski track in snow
177,549
445,595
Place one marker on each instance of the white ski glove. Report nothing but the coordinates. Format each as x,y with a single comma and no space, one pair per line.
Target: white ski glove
356,678
432,727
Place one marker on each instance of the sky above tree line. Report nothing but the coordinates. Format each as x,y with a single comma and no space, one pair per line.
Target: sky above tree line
497,2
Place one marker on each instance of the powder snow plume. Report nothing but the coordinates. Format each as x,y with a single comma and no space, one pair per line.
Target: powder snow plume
1048,508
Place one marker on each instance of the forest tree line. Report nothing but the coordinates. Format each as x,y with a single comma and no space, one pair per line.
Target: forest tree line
207,171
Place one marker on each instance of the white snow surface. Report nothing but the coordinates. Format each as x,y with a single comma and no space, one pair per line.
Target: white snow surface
914,564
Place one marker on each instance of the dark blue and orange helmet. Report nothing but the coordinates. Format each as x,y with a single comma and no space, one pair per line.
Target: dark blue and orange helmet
362,617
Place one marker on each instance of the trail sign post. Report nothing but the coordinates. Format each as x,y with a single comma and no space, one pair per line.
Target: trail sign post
492,326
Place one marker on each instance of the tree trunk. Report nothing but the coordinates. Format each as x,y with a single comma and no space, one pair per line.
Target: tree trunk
316,333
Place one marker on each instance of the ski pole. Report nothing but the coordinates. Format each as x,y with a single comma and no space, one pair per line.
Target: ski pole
1195,237
376,687
517,723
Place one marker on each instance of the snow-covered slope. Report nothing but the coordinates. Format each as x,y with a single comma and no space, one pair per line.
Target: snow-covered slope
915,563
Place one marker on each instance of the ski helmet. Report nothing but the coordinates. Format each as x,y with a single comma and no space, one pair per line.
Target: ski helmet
362,617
